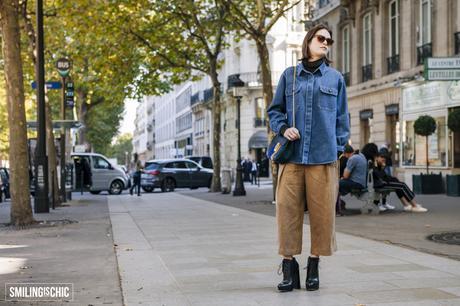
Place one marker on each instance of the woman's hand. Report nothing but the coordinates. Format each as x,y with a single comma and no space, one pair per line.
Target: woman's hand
292,134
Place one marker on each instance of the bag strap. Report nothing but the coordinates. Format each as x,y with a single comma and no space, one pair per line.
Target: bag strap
293,98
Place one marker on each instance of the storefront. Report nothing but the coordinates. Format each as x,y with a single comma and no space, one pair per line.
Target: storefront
434,98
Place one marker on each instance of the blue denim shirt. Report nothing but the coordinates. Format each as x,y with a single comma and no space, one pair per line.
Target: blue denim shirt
321,113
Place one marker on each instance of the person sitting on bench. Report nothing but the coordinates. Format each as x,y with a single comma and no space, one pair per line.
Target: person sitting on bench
355,173
383,181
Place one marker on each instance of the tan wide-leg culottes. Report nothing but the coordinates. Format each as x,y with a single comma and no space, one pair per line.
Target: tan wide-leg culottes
318,185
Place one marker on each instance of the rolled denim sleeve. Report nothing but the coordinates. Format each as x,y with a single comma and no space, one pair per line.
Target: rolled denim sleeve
343,121
277,109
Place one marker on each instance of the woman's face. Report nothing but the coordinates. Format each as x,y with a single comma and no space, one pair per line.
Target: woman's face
320,44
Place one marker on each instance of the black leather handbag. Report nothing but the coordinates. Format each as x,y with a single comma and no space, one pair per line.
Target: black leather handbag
280,148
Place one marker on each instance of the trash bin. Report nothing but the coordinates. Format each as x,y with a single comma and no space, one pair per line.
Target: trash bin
226,181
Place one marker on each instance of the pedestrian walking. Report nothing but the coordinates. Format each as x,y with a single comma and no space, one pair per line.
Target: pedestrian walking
321,130
253,172
136,176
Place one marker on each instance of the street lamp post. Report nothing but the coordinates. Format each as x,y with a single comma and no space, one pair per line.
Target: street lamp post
239,185
41,202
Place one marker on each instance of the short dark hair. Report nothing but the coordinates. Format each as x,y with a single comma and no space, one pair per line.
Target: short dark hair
348,149
309,36
370,150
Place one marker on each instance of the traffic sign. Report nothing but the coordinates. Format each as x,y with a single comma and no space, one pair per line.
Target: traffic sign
69,96
49,85
63,66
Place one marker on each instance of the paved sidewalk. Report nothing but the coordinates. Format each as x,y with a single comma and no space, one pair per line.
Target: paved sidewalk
80,253
396,227
178,250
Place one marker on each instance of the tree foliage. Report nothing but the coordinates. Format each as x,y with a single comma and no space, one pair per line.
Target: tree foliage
123,146
181,39
453,121
424,125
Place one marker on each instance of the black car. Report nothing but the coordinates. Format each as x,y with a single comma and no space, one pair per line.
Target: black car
168,174
204,161
4,184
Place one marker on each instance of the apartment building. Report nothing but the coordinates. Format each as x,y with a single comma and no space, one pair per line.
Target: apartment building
380,47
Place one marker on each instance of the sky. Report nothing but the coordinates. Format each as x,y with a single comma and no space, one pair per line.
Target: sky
127,124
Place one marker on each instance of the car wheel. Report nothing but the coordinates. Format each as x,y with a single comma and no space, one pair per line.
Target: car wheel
210,183
148,188
116,187
1,196
193,188
168,185
95,191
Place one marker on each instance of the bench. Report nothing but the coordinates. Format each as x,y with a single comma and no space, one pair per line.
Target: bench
369,195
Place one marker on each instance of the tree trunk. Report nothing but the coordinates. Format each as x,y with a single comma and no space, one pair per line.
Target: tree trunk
267,89
216,107
21,210
82,111
52,161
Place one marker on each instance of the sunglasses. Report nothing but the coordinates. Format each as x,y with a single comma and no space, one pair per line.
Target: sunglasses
321,40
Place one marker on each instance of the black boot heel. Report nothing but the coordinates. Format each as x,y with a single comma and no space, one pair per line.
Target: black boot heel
291,277
312,281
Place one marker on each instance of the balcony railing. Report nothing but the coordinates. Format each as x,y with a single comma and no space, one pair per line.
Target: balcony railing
258,122
393,63
423,52
457,42
195,98
367,72
208,94
346,77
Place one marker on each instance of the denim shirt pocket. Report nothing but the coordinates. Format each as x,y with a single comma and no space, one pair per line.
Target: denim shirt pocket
289,98
327,98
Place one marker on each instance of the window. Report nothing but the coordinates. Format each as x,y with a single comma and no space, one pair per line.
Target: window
260,119
367,48
367,37
346,54
100,163
393,51
394,28
414,146
425,22
424,49
191,165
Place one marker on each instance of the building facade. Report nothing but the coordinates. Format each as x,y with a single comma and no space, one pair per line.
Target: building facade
165,125
380,48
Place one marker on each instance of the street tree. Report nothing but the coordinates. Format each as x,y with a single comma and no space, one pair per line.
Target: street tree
104,63
254,20
183,39
21,210
122,149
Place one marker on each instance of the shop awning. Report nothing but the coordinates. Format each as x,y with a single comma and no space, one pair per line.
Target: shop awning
259,140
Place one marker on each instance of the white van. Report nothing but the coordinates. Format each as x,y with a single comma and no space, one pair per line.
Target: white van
105,176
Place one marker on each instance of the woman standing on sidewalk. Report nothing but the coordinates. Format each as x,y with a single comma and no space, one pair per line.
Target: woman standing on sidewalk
311,175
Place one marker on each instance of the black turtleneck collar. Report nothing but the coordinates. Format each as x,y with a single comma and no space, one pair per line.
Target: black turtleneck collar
311,66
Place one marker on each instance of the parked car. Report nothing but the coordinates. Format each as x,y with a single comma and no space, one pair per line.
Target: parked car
104,175
204,161
168,174
4,184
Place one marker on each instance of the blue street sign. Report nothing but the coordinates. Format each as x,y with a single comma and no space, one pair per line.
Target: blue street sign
49,85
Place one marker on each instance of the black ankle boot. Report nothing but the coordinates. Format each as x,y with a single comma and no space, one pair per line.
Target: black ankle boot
291,278
312,282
